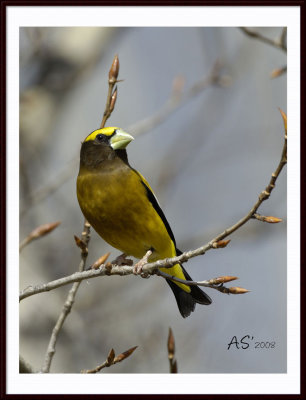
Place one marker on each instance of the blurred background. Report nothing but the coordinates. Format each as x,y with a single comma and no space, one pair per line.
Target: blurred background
204,110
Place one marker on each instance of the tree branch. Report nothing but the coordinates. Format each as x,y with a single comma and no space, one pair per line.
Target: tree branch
280,43
68,303
216,283
178,99
111,360
37,233
112,94
25,367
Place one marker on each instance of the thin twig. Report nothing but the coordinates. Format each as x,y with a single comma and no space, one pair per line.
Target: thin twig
111,360
37,233
112,94
67,305
278,72
220,287
121,270
279,43
177,100
52,186
25,367
107,363
283,37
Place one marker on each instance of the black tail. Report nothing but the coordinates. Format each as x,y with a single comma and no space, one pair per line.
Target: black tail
186,301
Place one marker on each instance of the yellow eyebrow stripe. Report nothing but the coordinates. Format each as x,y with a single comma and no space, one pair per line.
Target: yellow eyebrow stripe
104,131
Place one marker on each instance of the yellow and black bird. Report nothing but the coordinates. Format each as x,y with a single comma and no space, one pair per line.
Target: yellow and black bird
120,205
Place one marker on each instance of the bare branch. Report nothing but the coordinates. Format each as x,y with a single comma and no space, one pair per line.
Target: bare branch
111,360
68,303
278,72
177,100
107,269
25,367
38,232
279,43
212,283
112,95
110,269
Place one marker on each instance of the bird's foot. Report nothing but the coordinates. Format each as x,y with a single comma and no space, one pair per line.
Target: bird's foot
137,270
122,260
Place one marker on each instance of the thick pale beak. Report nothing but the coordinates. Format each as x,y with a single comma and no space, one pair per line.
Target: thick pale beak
120,140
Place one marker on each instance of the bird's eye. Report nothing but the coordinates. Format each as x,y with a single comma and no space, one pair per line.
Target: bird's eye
100,138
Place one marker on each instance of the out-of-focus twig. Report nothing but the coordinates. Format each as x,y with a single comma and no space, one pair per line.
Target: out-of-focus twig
38,232
171,353
25,367
111,360
278,72
279,43
177,99
151,268
110,269
52,186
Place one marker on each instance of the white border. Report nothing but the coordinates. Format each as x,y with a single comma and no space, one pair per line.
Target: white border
154,16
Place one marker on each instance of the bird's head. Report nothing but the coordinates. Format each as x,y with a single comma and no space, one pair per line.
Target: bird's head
104,144
112,136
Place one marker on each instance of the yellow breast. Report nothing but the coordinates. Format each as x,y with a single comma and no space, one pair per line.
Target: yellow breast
117,207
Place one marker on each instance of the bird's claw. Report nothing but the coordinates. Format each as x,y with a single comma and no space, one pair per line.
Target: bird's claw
137,270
